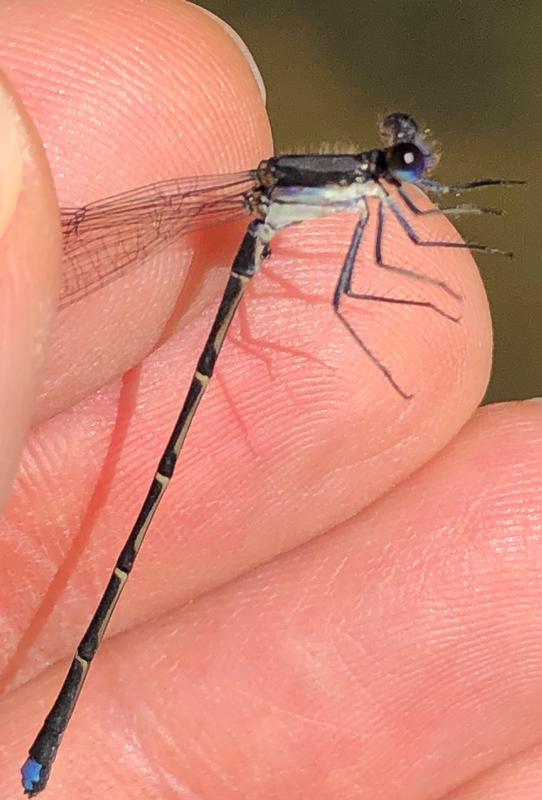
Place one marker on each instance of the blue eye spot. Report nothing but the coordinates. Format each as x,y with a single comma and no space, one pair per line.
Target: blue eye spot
406,162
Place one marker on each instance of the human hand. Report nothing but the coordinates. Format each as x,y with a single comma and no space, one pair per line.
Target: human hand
359,624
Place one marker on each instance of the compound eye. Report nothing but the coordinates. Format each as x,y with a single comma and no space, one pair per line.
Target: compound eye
406,162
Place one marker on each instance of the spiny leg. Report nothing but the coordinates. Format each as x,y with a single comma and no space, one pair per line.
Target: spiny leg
344,284
452,211
414,237
42,753
410,273
343,288
457,188
404,302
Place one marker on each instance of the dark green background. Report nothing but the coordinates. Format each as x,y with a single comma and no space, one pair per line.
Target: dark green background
472,71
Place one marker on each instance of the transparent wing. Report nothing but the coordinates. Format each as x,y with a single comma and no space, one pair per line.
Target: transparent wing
106,238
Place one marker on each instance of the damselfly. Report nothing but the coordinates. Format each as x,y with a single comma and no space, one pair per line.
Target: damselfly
104,239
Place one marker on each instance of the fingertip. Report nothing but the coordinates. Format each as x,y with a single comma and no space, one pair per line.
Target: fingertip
232,33
30,257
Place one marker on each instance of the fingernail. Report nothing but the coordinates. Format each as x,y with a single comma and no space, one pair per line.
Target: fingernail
11,159
533,400
244,50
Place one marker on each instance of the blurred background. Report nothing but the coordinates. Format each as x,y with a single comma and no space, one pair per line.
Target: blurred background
472,71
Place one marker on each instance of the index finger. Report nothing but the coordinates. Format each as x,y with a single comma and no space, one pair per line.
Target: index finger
126,94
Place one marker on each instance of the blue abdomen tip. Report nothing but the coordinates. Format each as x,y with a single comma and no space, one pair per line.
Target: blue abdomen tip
31,771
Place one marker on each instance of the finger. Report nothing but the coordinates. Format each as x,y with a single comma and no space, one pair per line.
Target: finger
30,253
400,650
173,96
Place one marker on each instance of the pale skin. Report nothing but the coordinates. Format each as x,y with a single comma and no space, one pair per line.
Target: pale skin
364,570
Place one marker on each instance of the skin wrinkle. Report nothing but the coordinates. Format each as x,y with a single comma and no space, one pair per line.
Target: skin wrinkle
496,779
457,792
139,757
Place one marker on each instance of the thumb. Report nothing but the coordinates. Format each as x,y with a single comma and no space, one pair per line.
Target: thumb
30,258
